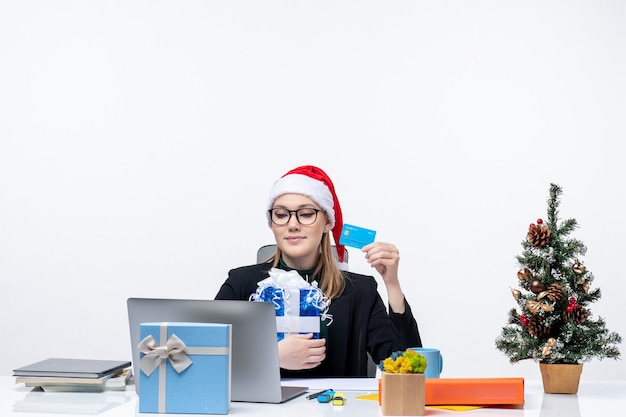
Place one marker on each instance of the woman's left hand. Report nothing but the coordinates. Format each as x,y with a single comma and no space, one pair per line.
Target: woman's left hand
385,258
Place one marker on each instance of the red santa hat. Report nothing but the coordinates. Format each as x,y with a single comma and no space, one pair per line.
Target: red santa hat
312,182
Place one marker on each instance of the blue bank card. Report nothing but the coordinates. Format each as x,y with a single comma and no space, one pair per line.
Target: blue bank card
356,236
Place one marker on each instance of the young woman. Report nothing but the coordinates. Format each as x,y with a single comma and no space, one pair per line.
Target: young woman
302,212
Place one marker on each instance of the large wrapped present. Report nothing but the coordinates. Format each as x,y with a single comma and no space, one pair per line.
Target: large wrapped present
300,306
185,368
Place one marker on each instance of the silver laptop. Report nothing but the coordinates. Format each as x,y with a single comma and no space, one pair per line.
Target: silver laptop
255,371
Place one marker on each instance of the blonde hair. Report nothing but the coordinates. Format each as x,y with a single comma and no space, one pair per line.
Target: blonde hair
331,279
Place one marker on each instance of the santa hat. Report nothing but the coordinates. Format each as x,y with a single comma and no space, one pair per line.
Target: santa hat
312,182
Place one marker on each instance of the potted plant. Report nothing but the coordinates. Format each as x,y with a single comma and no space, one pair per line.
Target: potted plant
402,385
553,324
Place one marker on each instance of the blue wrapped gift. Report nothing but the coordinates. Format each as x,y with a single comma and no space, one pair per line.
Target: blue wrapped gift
299,305
185,368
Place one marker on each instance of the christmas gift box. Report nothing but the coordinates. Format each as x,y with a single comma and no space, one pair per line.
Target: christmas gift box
185,368
300,306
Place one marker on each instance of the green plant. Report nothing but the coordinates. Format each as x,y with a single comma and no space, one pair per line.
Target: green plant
553,322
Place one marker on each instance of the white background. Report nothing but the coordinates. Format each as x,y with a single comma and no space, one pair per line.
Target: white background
139,141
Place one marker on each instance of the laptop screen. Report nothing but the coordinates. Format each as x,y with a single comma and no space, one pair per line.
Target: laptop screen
254,364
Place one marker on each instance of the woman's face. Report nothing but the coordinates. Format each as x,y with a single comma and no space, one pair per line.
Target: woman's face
299,243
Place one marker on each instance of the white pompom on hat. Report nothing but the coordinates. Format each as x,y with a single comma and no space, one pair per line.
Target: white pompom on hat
312,182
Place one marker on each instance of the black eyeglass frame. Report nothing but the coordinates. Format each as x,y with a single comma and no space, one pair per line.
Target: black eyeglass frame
271,212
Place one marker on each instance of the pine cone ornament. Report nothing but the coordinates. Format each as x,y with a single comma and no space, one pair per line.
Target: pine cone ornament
579,314
554,292
538,234
537,328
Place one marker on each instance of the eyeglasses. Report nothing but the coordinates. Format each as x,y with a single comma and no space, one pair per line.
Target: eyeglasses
305,216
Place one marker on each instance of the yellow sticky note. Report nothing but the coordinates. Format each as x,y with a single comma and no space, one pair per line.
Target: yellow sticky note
372,397
455,407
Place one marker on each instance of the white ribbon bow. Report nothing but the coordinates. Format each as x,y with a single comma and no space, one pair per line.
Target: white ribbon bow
174,350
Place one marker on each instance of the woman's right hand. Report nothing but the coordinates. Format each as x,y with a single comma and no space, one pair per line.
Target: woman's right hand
301,351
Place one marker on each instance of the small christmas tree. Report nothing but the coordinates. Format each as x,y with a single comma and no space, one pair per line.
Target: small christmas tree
554,323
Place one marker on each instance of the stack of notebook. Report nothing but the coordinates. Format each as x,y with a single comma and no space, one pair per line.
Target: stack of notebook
65,374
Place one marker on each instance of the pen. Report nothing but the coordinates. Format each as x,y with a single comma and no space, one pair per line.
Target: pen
317,394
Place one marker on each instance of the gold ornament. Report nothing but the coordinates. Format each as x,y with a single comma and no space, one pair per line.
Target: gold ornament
586,287
516,293
523,274
583,283
578,267
535,306
536,286
547,349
